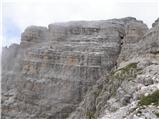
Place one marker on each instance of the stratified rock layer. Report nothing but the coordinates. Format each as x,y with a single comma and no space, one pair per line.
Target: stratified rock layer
50,72
119,93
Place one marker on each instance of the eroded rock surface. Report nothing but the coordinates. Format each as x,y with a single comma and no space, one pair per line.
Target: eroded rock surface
134,81
55,72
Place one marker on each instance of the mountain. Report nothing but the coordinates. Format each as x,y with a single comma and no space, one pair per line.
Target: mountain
83,69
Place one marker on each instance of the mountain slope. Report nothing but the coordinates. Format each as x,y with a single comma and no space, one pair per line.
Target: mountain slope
76,69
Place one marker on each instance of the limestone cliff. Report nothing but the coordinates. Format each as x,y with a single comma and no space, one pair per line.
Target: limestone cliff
68,69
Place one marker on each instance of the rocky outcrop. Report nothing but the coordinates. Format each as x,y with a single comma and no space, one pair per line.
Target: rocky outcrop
34,35
131,90
143,44
60,71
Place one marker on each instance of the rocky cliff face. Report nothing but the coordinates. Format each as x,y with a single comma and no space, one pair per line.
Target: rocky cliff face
69,69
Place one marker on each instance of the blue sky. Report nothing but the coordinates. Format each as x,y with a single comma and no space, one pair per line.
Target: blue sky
10,31
18,14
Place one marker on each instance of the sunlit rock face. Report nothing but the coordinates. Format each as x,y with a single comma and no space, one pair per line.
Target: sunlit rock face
49,73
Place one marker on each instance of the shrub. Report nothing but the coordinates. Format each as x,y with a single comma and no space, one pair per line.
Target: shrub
90,115
152,98
157,114
128,72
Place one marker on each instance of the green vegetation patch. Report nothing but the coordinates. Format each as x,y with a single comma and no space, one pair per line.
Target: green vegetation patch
129,66
157,114
90,115
97,92
128,72
152,98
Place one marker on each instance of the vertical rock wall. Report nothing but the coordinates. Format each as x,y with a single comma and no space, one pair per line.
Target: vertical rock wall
57,65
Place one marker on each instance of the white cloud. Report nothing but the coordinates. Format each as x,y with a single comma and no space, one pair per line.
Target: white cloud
40,13
29,13
44,12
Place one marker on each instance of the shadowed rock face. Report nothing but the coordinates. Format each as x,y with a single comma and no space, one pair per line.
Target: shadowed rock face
49,73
